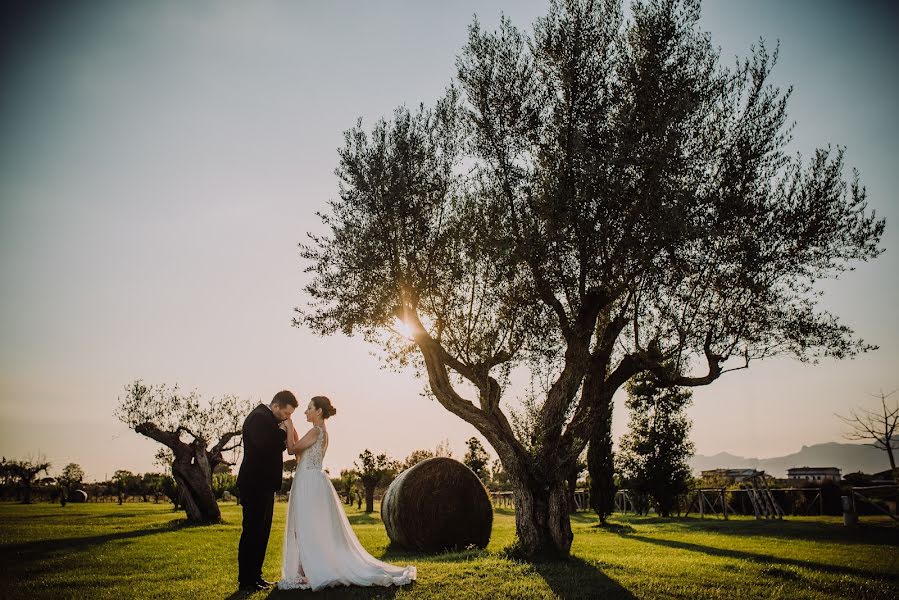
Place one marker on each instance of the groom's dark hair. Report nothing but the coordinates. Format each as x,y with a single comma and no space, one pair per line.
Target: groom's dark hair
285,397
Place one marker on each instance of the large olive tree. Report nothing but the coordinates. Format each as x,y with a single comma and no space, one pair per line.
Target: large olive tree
187,426
598,199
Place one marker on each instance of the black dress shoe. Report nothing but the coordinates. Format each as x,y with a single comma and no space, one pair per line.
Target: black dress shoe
252,587
265,584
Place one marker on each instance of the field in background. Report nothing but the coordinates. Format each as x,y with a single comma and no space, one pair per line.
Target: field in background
146,551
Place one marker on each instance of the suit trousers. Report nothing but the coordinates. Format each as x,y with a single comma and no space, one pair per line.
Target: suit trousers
257,525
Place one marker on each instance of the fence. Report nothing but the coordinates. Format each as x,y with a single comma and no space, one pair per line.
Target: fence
866,494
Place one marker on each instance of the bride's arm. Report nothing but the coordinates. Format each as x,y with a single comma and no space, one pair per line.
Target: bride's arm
296,444
304,442
292,438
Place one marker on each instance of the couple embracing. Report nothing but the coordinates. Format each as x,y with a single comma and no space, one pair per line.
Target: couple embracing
320,548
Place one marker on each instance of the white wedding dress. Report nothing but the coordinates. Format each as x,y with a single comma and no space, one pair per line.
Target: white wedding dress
320,548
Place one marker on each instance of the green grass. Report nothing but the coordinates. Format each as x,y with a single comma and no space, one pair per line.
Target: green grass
146,551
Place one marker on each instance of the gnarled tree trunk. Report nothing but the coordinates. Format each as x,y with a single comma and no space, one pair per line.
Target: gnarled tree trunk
194,476
542,519
192,469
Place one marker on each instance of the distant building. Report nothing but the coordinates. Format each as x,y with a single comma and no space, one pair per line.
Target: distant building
730,476
814,474
883,477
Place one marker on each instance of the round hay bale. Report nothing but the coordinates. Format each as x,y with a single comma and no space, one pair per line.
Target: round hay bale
438,504
78,496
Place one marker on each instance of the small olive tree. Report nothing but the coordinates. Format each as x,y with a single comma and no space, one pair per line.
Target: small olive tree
477,459
187,427
24,473
70,478
372,471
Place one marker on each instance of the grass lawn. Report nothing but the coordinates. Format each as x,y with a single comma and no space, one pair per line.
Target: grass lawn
146,551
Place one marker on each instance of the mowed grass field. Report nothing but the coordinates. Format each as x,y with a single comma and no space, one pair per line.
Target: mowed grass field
146,551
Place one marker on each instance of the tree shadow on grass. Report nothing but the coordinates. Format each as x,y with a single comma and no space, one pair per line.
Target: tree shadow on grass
38,549
583,517
363,519
619,528
813,531
766,559
395,554
575,578
335,593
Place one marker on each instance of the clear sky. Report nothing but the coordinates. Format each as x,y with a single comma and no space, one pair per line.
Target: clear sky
160,161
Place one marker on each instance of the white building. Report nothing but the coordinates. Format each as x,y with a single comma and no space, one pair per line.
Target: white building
814,474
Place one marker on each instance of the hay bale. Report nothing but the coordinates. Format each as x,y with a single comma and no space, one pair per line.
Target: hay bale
438,504
78,496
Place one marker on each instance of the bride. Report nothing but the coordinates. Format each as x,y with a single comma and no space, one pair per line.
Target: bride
320,547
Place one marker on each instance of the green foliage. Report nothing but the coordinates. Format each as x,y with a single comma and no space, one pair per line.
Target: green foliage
477,459
224,482
374,471
601,464
23,473
499,479
71,477
415,457
126,484
654,453
347,481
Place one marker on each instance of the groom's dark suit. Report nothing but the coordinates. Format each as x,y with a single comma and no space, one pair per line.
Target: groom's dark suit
258,480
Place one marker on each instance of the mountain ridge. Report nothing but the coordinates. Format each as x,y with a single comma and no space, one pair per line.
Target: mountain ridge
847,457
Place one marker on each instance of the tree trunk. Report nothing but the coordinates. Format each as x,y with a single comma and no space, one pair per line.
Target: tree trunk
889,449
542,519
369,499
194,478
600,462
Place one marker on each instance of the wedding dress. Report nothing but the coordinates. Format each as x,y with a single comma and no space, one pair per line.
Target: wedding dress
320,548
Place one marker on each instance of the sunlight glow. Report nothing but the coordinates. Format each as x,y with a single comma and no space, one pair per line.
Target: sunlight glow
402,328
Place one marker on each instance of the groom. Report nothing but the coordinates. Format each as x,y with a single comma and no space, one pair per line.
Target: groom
264,441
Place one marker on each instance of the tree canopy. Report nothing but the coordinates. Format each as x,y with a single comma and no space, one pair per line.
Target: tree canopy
599,198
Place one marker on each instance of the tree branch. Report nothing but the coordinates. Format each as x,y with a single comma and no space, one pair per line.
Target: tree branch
167,438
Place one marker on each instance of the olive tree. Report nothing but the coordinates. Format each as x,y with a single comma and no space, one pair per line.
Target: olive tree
71,477
595,199
24,473
187,426
372,471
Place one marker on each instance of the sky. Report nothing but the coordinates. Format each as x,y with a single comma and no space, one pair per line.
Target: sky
160,162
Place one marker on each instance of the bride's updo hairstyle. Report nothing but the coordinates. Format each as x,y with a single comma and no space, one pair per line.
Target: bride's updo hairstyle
324,404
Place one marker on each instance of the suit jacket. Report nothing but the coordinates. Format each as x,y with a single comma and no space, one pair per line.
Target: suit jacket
263,445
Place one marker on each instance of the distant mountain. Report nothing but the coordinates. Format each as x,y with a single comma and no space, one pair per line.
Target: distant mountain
848,457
